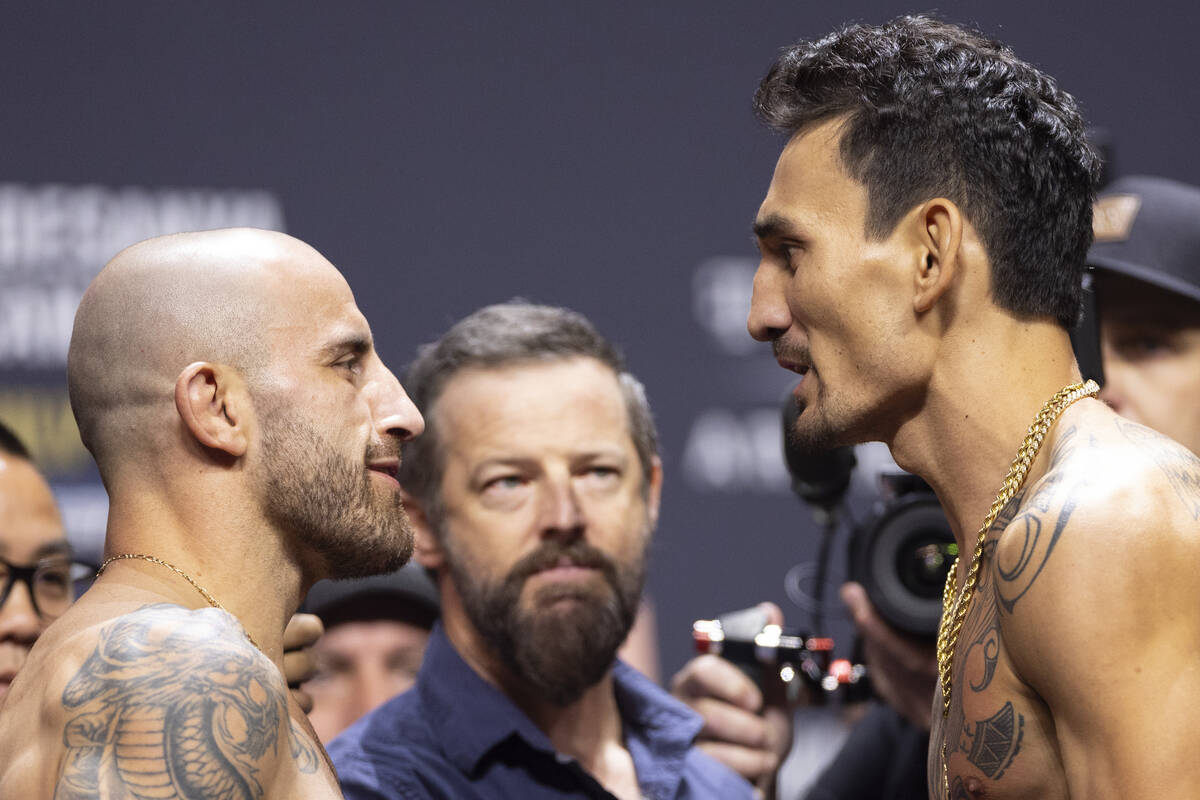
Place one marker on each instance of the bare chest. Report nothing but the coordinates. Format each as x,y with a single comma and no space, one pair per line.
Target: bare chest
998,738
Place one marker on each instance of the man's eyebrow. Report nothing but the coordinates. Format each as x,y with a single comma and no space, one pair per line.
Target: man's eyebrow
771,226
55,548
356,343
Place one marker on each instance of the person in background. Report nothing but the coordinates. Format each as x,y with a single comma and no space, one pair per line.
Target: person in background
37,574
376,629
534,498
1146,258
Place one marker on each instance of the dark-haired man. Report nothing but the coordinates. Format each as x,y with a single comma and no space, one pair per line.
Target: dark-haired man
922,244
534,493
248,436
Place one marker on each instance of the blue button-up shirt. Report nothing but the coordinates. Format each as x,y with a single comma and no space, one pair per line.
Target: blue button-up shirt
455,736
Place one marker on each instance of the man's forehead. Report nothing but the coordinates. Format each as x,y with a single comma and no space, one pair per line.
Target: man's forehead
810,175
528,401
30,525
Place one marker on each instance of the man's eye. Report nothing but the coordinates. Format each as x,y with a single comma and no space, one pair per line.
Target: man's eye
353,365
504,483
1144,345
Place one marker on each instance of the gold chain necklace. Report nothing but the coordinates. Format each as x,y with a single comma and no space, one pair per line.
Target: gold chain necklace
955,603
212,601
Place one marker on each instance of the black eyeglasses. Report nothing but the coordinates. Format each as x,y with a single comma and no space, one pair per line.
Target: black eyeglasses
53,584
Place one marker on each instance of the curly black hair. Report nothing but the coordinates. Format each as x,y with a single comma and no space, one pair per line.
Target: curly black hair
933,109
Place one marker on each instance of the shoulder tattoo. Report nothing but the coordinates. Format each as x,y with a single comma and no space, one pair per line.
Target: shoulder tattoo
174,703
1037,526
1180,465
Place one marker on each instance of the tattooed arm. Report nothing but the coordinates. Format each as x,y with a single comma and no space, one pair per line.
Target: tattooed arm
1100,614
177,703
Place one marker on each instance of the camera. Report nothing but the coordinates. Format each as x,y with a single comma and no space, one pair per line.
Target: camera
901,553
745,638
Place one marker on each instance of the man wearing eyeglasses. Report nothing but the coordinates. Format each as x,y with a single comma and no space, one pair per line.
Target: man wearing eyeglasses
36,572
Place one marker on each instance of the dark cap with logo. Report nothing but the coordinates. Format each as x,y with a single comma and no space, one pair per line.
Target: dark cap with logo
406,595
1149,229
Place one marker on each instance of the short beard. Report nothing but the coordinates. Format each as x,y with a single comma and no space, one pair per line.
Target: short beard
329,505
556,654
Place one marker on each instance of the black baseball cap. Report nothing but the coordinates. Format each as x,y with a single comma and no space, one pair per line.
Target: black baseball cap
406,595
1149,228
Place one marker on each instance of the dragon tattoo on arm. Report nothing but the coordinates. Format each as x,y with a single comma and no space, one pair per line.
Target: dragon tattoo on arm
175,703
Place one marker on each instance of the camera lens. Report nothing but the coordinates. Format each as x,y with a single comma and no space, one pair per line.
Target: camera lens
922,561
902,560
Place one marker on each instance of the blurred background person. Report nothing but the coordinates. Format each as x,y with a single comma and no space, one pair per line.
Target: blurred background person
37,574
1146,258
375,634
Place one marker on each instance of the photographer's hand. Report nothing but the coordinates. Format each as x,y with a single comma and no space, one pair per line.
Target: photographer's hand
299,665
740,730
903,669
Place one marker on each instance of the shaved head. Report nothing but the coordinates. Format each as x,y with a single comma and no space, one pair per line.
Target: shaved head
163,304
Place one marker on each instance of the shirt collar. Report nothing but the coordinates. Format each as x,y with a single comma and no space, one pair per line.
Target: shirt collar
468,715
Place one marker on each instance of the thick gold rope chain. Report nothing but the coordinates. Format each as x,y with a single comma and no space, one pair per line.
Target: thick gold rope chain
956,603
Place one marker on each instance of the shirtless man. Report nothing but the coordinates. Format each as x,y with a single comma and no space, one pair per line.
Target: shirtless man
922,243
248,436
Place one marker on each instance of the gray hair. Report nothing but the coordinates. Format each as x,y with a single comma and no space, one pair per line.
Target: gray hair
498,336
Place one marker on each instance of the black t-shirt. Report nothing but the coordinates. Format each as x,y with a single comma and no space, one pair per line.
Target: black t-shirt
883,759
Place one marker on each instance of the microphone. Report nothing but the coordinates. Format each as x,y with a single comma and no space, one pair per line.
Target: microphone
819,477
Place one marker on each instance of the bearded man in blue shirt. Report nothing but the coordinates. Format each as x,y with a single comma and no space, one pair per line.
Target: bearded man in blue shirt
533,494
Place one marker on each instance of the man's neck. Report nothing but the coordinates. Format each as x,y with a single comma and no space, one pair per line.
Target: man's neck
981,400
240,564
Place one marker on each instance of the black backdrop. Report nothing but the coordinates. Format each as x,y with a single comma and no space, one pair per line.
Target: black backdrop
447,155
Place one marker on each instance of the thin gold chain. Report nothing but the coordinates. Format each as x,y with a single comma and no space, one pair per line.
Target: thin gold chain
955,603
212,601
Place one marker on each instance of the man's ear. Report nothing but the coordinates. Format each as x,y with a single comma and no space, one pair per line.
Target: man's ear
654,491
939,230
213,403
427,550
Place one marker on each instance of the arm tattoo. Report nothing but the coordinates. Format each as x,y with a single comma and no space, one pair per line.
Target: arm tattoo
1179,464
174,703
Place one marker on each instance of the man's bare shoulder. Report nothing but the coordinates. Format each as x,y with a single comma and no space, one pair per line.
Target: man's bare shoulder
163,697
1093,545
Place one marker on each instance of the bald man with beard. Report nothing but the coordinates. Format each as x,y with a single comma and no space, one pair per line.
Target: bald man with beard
249,437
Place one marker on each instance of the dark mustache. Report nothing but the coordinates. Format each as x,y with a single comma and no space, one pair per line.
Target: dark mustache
578,553
795,354
383,450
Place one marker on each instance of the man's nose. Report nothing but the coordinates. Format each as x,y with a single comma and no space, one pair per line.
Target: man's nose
375,685
769,312
394,413
18,619
561,513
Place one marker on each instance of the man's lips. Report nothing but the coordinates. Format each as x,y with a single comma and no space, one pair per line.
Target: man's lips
565,569
794,366
389,467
